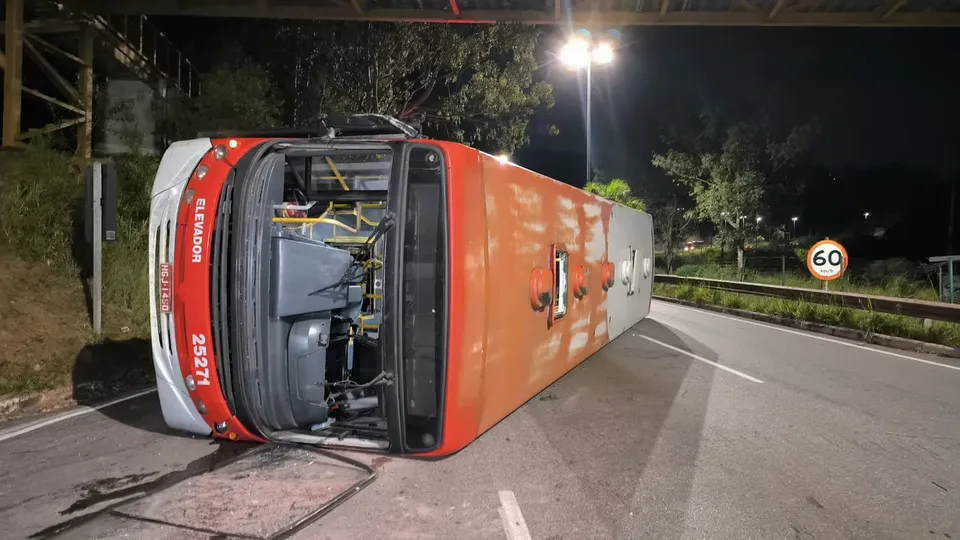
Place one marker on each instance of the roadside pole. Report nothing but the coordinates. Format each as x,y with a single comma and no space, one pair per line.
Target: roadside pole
100,224
96,288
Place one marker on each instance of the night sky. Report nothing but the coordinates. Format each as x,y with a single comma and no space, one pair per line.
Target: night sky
881,95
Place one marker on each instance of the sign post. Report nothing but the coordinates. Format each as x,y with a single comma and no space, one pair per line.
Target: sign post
100,216
827,260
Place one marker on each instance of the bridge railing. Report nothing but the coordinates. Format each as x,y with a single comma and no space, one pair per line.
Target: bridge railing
144,47
922,309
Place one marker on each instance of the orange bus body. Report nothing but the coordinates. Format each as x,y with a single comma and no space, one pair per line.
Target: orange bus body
503,222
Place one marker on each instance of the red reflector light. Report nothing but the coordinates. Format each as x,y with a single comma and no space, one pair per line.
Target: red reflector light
166,287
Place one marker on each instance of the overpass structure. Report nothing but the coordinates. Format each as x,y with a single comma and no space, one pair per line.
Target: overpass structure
64,41
62,45
578,12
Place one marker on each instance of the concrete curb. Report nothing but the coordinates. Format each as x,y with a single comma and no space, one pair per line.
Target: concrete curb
903,344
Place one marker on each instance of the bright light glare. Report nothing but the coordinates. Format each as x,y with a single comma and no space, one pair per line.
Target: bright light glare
575,54
504,158
603,53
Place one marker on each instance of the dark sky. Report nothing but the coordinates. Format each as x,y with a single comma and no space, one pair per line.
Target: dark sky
881,95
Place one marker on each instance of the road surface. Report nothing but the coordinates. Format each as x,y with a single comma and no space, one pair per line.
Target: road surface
691,425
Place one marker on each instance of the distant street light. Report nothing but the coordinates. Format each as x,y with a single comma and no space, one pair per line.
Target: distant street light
866,215
581,52
759,219
503,158
794,220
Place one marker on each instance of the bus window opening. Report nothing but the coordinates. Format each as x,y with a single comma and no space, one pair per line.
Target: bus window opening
561,265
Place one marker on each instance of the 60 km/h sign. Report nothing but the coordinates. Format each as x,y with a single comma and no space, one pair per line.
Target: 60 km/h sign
827,260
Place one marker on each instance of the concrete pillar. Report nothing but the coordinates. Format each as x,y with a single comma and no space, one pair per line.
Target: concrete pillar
130,112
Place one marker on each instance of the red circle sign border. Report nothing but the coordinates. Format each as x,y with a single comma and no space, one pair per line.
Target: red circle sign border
813,249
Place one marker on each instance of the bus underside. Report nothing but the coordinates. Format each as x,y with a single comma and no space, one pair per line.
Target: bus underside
328,296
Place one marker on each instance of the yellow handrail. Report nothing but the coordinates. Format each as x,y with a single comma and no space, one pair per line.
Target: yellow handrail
337,173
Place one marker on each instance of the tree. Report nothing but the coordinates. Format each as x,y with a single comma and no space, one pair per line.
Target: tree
671,223
731,171
237,95
616,190
468,83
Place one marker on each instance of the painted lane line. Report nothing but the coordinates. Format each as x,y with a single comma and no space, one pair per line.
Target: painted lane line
78,411
821,338
513,524
702,359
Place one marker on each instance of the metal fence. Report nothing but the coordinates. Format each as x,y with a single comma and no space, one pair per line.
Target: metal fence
894,277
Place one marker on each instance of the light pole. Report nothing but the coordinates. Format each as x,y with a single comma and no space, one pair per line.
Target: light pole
581,52
794,220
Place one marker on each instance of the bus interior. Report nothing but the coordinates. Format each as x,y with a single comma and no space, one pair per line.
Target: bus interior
327,231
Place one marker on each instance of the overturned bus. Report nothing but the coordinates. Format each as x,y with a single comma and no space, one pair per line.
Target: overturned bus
363,287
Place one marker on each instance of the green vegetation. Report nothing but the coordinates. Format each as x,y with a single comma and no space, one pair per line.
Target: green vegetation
896,277
45,323
475,84
896,286
730,172
236,96
867,321
616,190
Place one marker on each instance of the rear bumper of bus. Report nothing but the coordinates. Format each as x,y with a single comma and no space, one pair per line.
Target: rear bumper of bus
175,169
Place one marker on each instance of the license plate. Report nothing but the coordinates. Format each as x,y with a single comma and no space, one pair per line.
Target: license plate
166,288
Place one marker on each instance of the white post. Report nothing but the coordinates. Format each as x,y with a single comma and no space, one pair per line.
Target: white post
96,288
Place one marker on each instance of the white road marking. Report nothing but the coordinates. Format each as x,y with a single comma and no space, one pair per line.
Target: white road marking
702,359
78,411
815,336
513,523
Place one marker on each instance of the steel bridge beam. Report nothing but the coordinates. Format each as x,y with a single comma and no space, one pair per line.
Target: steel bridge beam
85,129
12,72
19,38
74,88
289,9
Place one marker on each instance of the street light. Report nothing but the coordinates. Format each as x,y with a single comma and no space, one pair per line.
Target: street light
866,215
503,158
582,52
794,220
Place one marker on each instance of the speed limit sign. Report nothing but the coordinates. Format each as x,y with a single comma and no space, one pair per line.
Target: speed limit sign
827,260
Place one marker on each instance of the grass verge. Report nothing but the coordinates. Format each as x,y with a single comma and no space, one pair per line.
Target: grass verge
46,339
942,333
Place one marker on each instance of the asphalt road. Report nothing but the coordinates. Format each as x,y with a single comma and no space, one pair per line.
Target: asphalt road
691,425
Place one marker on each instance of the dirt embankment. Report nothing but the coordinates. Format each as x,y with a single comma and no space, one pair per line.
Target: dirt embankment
48,351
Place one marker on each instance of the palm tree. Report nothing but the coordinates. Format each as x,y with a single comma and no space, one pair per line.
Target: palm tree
617,190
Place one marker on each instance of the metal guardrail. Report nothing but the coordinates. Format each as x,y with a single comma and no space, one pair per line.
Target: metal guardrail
922,309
